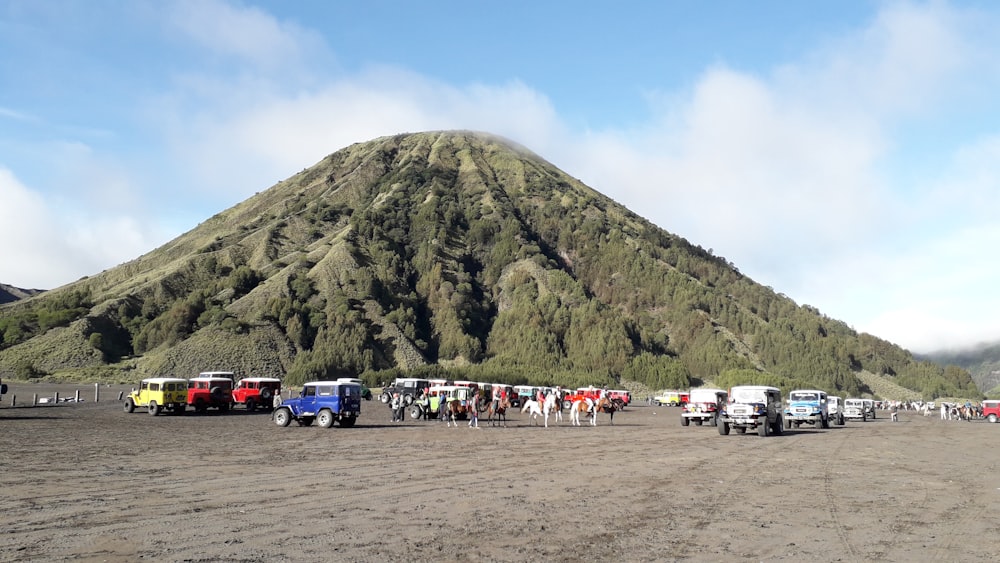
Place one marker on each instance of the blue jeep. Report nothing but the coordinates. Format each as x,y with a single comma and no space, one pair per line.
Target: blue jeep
807,406
323,401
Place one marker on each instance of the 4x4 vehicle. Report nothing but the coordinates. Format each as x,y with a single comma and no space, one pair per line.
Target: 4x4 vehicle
323,401
703,406
991,410
431,403
159,393
366,393
3,389
854,409
807,406
835,410
409,388
257,392
672,399
869,407
752,407
205,392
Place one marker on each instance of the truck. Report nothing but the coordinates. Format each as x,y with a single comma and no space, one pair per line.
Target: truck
854,409
807,406
751,407
325,402
703,406
835,409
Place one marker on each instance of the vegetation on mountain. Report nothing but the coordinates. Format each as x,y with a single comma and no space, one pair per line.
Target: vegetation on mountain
448,253
982,362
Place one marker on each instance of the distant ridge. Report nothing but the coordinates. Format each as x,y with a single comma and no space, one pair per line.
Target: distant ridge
10,293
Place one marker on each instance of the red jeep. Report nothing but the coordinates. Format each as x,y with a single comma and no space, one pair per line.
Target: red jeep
257,392
210,392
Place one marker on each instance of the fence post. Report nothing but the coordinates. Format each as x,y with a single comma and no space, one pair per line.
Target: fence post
97,392
57,397
13,400
120,395
76,398
34,399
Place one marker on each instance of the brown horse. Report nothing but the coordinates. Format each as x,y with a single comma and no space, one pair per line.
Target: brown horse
496,411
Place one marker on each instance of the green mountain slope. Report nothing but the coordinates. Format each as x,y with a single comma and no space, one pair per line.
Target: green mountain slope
982,362
440,251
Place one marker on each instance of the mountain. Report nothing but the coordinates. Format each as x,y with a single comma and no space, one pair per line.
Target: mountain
10,293
982,362
437,252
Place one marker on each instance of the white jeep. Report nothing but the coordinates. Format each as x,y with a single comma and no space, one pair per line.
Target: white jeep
835,408
752,407
854,409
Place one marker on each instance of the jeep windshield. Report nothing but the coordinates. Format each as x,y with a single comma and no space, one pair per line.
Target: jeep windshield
800,396
749,396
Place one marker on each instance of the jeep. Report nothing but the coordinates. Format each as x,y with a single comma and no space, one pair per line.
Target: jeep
991,410
409,388
3,389
855,409
159,393
257,392
807,406
835,409
671,399
366,393
752,407
869,407
431,402
323,401
703,406
205,392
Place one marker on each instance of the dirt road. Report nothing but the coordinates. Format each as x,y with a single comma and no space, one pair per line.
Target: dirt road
88,482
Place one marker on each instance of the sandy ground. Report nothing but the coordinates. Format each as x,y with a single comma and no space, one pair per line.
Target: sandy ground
88,482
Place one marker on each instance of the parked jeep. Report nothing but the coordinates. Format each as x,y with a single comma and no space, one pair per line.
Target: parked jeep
807,406
703,406
257,392
854,409
205,392
991,410
366,393
323,401
835,408
752,407
159,393
869,407
409,388
431,403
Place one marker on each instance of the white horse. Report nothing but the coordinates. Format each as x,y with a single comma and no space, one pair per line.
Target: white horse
536,411
582,405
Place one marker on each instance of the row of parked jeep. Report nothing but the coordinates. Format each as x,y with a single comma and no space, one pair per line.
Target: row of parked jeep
323,401
760,408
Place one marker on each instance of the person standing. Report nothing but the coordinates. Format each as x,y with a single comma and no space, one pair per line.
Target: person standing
394,405
474,411
894,412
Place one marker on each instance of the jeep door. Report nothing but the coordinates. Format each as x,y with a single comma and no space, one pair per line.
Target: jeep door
307,402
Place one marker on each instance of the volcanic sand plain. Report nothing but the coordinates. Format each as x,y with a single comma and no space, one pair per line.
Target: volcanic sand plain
88,482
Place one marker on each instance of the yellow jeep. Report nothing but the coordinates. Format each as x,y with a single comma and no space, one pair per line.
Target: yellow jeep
159,393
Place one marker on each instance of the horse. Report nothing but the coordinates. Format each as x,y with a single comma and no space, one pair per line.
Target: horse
453,409
536,411
605,405
552,405
498,409
579,406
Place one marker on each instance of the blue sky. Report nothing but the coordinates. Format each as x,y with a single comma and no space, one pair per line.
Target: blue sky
844,153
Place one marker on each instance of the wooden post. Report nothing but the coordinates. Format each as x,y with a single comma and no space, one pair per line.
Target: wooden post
76,398
34,399
97,392
120,395
13,400
57,397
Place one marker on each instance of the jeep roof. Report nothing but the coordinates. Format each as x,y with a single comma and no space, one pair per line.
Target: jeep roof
165,380
705,395
262,379
815,392
745,392
335,382
211,379
226,374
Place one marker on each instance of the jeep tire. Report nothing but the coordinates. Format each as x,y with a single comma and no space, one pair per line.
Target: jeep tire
154,409
129,405
325,418
764,430
265,394
788,423
282,417
416,412
347,421
251,405
385,397
723,428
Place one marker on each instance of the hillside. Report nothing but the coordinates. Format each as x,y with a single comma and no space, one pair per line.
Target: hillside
9,293
982,362
440,251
